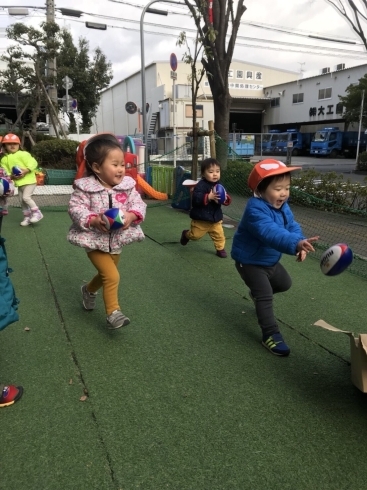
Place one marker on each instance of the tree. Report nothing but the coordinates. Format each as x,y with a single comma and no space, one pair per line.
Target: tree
89,77
25,75
195,79
213,20
352,101
353,14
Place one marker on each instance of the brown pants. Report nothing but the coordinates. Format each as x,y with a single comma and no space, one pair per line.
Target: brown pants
214,230
108,277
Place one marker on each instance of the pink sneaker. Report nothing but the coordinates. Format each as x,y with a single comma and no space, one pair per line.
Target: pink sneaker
36,216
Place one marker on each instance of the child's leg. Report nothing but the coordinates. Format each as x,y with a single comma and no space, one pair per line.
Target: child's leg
36,214
216,233
198,229
108,277
25,196
25,209
263,283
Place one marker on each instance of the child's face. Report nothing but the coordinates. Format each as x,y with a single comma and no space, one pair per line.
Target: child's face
112,170
277,193
11,147
212,174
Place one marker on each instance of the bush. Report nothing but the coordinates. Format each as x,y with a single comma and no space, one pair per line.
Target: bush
235,176
362,161
56,153
325,191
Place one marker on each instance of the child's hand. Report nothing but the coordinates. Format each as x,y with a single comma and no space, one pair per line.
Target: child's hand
129,218
301,256
306,245
213,196
98,223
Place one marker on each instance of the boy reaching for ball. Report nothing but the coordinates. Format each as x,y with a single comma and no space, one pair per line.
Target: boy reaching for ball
206,212
268,229
105,187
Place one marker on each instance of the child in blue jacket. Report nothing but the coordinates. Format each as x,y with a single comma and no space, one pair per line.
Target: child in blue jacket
206,212
268,229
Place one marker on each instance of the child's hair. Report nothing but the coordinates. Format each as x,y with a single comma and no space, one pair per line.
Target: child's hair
264,184
207,163
97,151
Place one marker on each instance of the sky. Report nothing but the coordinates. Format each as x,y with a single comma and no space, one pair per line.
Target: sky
278,21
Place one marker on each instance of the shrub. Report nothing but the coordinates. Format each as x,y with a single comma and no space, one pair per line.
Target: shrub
235,176
56,153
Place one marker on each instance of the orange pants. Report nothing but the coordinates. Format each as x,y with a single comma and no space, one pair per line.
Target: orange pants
214,230
108,277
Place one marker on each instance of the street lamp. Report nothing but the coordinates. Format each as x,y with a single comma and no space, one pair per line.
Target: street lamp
143,89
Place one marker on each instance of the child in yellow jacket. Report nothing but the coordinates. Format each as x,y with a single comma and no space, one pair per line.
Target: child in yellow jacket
24,179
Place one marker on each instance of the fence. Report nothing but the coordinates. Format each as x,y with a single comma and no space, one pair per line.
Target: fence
322,215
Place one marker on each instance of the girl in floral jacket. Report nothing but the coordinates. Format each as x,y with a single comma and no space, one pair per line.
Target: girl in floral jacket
105,187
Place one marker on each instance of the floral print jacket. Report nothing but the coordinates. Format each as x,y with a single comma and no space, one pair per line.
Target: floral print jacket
89,199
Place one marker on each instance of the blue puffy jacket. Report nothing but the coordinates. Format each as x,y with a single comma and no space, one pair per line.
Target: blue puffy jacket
264,233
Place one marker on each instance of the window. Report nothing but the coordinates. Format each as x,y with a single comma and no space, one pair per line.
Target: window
249,75
297,98
339,108
325,93
258,75
239,74
199,111
230,73
275,102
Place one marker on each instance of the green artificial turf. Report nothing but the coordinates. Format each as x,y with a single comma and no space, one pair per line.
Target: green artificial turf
185,397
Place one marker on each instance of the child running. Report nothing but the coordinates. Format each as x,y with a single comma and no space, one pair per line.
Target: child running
268,229
206,212
105,187
26,181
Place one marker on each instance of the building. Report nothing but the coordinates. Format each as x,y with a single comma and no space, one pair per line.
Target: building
246,85
312,103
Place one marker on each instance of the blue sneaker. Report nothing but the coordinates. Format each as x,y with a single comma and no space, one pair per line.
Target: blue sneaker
275,343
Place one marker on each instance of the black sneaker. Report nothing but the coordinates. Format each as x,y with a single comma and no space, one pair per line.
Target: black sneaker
184,240
222,254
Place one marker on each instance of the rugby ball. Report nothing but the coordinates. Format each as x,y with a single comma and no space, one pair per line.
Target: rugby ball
4,187
336,259
221,192
16,171
114,218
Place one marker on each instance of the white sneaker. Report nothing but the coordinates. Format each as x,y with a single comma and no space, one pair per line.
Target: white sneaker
36,216
26,221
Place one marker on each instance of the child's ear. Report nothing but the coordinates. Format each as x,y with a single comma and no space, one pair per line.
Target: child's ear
95,168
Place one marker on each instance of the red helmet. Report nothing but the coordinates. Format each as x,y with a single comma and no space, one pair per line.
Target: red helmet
267,168
11,138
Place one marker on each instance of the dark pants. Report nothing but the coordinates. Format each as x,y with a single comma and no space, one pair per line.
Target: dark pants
263,282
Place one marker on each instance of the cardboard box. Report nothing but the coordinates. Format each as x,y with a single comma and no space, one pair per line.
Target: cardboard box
358,355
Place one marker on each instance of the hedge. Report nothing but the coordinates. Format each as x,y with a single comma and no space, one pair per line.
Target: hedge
56,153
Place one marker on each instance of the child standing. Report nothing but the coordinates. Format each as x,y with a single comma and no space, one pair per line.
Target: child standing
104,187
26,182
268,229
206,212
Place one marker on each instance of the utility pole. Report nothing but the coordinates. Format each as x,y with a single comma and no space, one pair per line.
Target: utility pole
360,127
51,63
